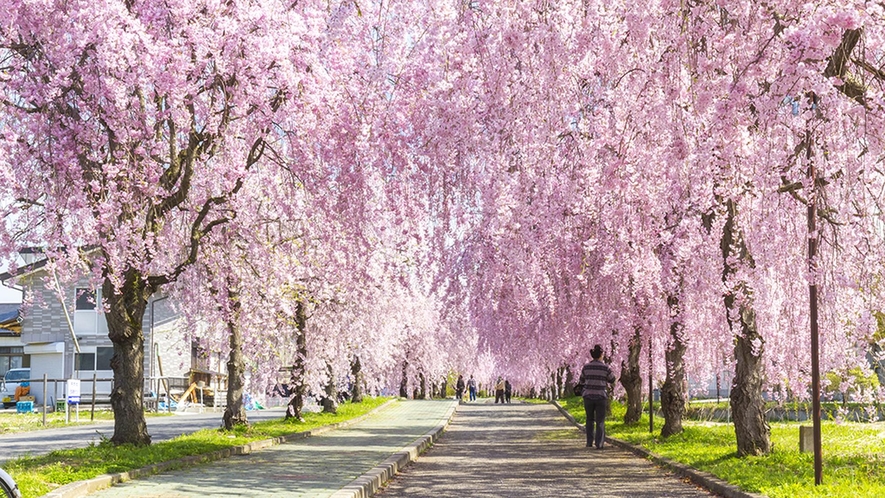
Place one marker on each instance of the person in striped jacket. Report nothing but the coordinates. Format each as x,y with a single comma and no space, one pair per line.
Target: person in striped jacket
595,377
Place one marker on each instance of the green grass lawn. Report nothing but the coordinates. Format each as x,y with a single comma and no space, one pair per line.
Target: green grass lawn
853,455
11,422
39,475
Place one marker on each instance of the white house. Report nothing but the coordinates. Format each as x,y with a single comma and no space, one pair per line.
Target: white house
51,331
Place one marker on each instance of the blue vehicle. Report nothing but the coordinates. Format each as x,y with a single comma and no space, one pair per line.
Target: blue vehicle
8,487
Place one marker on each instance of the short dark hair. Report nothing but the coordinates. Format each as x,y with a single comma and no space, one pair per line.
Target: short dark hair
596,352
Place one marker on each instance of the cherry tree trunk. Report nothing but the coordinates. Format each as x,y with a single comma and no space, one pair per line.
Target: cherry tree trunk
299,388
356,389
404,383
631,379
422,386
673,391
747,406
570,381
124,314
330,402
235,412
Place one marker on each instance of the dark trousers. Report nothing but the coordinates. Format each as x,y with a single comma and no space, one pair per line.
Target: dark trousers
507,396
595,410
499,396
472,394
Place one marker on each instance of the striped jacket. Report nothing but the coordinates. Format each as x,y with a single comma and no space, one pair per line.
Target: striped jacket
595,377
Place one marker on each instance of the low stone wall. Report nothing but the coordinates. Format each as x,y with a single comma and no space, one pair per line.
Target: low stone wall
785,414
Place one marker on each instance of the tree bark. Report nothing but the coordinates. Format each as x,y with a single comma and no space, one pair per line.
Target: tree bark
673,391
404,383
422,386
297,379
570,381
631,378
125,314
356,389
235,412
330,402
747,406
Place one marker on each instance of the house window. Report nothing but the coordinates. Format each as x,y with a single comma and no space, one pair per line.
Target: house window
85,299
99,360
103,358
84,361
13,357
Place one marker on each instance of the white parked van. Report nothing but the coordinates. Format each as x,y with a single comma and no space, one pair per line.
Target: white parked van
11,380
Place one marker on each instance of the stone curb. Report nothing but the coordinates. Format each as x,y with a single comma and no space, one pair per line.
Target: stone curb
699,477
369,483
80,489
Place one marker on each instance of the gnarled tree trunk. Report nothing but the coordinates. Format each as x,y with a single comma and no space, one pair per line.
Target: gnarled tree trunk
124,314
297,378
673,392
235,412
422,386
747,406
330,402
356,389
631,378
404,383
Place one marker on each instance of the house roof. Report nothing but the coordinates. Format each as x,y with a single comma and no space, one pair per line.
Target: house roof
23,270
10,319
36,265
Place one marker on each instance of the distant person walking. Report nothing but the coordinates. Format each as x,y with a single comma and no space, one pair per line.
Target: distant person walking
508,389
595,377
459,388
499,391
471,387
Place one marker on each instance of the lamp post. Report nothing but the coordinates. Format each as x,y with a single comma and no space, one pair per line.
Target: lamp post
812,297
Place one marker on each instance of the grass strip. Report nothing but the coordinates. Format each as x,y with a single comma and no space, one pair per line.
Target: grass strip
853,454
14,423
39,475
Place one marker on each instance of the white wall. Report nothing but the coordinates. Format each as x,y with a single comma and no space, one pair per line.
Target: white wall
49,363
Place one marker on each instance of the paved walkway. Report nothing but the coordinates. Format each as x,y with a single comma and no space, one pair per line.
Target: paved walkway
488,450
528,450
312,467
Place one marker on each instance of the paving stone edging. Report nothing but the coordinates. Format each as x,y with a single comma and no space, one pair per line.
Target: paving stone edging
369,483
80,489
699,477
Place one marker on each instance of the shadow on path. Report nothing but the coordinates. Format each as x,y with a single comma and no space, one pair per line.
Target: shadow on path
528,450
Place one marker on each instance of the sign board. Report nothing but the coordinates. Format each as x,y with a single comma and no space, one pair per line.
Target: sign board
74,391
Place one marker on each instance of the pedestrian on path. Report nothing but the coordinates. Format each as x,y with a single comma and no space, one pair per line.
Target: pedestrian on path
508,389
459,388
471,386
499,390
595,377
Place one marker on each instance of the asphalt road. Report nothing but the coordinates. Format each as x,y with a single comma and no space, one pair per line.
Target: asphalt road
160,429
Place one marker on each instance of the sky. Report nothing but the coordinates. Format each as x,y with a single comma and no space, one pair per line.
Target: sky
8,295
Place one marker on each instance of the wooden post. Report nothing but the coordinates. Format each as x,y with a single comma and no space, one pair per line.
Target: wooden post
45,392
92,414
